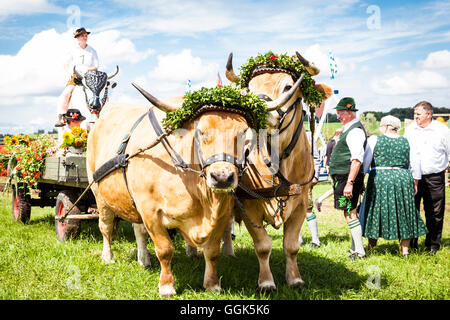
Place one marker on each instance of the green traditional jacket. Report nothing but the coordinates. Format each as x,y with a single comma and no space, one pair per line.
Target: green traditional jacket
340,157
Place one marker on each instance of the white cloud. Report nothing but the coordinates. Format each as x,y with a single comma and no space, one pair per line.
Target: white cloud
26,7
438,60
112,48
33,78
170,75
37,69
410,82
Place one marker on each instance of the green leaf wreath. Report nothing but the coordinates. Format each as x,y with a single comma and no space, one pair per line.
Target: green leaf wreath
225,96
283,61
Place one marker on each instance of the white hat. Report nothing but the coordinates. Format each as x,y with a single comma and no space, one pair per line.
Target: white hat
392,121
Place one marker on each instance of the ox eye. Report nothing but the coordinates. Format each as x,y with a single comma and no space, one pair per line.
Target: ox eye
287,88
206,137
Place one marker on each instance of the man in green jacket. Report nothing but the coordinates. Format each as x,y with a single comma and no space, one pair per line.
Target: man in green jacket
347,172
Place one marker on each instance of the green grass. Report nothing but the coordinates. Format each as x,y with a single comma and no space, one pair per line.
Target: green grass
35,265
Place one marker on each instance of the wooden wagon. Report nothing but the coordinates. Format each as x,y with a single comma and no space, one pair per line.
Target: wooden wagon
63,181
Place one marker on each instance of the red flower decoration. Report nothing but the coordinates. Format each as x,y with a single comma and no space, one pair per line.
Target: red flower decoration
74,116
273,57
349,106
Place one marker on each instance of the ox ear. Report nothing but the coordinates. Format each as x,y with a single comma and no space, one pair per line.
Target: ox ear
324,89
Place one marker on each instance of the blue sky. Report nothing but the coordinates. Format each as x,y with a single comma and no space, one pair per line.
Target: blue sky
389,53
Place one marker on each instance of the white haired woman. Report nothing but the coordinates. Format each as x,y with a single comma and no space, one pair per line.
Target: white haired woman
389,211
84,58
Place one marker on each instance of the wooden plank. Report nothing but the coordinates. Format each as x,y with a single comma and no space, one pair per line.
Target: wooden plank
66,170
86,216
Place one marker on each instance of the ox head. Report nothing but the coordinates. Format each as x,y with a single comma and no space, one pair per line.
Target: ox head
280,87
97,82
221,135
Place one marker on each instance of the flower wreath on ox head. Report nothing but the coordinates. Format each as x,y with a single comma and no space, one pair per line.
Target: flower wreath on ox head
294,65
226,97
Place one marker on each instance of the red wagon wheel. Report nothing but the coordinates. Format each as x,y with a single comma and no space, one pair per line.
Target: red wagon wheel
21,204
66,228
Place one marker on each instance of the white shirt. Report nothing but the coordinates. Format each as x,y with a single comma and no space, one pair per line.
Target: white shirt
355,141
430,148
82,59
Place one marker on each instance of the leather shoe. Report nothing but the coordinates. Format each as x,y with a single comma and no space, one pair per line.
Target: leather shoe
355,256
318,205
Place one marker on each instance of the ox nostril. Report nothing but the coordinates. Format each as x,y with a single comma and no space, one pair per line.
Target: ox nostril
222,179
230,178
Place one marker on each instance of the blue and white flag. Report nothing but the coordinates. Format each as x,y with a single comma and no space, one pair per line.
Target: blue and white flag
333,66
188,86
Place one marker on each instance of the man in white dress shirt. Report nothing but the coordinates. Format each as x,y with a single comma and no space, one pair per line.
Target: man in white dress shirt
84,58
430,153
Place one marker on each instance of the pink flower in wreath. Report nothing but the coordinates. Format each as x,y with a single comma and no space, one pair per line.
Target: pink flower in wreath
243,92
295,59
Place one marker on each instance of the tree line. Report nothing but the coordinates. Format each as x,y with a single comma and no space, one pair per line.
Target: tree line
401,113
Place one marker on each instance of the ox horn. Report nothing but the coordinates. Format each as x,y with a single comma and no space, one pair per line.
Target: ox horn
310,66
114,74
229,73
285,97
76,72
157,103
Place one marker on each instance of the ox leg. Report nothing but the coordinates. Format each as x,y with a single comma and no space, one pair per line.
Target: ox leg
106,226
291,246
211,253
227,247
164,251
192,251
143,255
263,249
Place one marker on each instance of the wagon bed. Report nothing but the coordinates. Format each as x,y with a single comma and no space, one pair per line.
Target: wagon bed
62,182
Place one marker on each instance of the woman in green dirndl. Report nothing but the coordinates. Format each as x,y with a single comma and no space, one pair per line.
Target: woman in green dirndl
389,211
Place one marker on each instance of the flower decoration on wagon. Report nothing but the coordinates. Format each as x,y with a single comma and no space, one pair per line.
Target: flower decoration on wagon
269,62
76,138
27,156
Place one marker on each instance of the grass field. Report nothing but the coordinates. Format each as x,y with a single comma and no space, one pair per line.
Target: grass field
34,265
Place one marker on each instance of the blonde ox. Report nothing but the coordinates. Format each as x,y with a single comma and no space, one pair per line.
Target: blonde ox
165,196
297,168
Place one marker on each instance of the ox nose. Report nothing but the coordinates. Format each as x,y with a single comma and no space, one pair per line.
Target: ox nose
222,179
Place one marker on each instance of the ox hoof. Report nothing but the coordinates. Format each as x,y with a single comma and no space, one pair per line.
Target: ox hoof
145,263
108,260
267,287
167,291
298,283
215,288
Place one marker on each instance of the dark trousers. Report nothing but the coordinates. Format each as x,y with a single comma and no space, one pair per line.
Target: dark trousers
432,189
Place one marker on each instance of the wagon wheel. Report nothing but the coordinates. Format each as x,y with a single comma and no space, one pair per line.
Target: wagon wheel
21,204
66,229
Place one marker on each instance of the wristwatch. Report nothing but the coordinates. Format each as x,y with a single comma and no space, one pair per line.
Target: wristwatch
350,181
